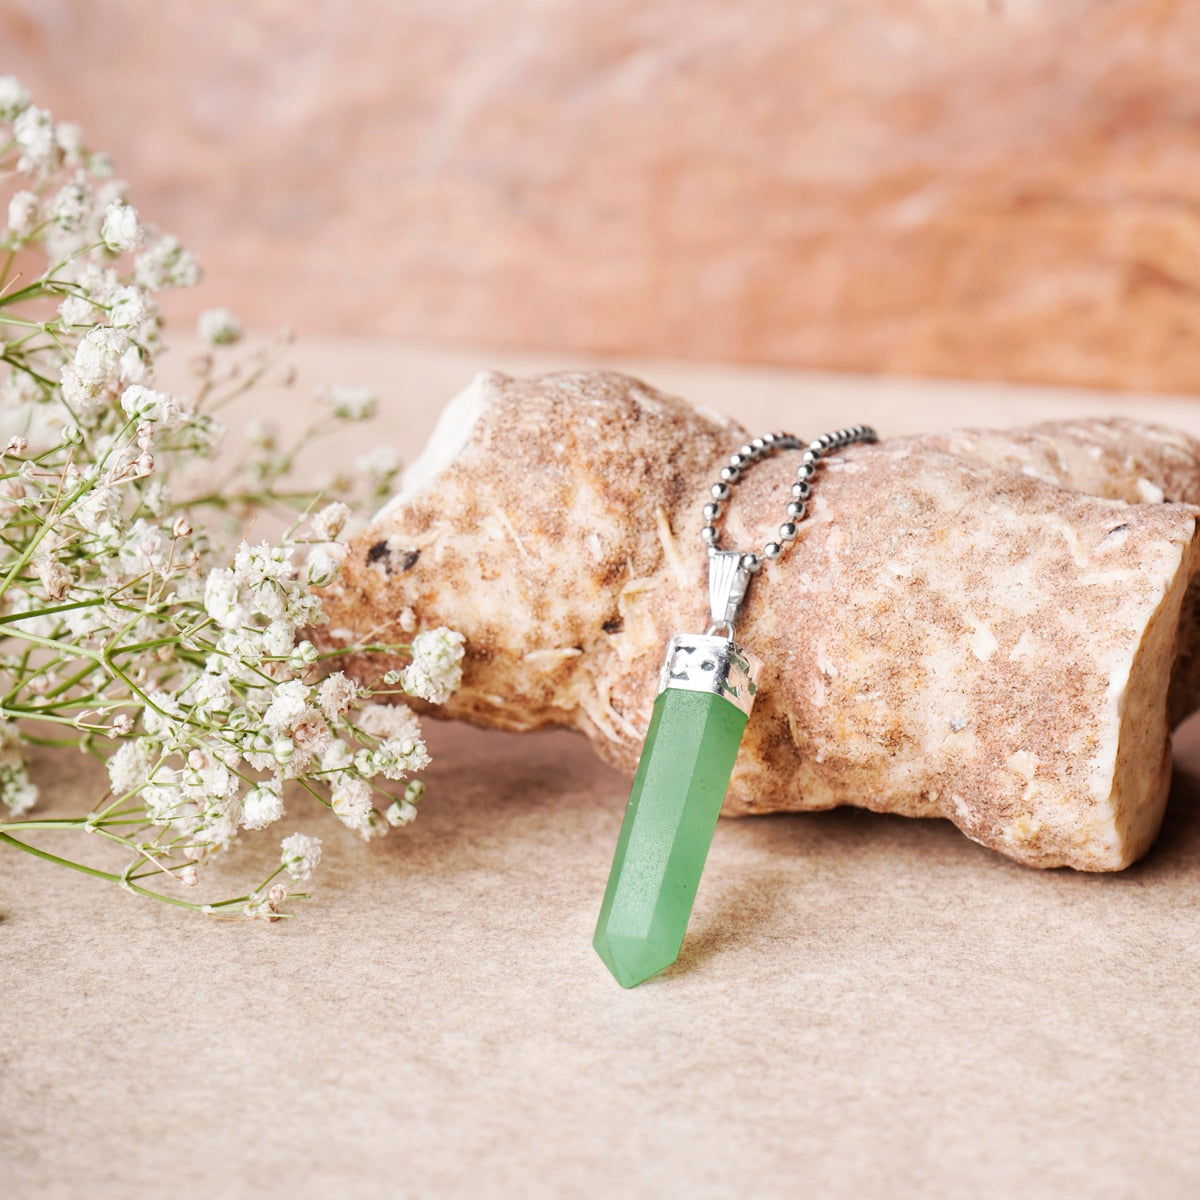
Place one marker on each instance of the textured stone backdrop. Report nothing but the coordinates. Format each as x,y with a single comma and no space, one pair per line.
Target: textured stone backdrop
1006,190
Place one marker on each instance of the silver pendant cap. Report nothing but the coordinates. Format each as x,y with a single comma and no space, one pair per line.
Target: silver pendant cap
699,662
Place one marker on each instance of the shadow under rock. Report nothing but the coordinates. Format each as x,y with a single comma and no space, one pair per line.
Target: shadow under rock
493,795
1176,851
850,835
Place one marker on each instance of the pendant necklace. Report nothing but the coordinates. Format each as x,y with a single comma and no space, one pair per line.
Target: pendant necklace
705,691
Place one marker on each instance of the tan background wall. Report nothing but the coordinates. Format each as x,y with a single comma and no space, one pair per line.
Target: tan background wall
1006,190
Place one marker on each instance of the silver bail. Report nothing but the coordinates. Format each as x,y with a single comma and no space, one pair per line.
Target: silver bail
727,584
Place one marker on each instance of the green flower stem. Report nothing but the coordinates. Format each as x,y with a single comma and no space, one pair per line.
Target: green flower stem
79,823
26,557
8,618
312,791
369,648
109,876
25,676
104,658
234,499
125,881
68,684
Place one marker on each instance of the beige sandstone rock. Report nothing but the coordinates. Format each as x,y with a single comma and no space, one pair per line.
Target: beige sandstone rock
992,627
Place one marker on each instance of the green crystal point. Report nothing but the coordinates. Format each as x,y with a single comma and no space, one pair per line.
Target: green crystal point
669,824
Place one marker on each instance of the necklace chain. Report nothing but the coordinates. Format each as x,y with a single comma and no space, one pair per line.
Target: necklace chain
762,447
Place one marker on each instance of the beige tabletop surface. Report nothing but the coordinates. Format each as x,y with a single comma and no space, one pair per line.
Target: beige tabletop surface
865,1006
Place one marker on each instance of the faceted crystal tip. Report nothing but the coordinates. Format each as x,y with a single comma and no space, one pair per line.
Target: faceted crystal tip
632,960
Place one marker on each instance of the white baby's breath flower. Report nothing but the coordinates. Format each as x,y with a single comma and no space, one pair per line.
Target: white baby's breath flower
436,669
33,131
388,721
71,207
301,855
97,357
216,832
97,508
121,230
163,798
19,390
129,308
336,694
212,693
132,367
56,579
330,521
145,545
240,649
350,403
222,599
219,327
303,607
255,566
23,215
310,734
161,715
129,766
69,137
398,757
121,725
98,283
166,264
351,802
336,759
289,704
16,792
262,805
92,375
76,310
321,567
148,405
400,812
14,99
279,638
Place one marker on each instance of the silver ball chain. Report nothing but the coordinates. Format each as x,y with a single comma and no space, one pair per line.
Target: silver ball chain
759,448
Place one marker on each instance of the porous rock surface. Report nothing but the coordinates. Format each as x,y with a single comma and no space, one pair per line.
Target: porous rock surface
995,627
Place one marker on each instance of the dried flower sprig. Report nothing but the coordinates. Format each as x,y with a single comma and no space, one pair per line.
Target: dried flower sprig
131,626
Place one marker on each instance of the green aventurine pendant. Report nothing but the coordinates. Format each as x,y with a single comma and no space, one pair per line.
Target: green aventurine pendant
705,693
704,698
